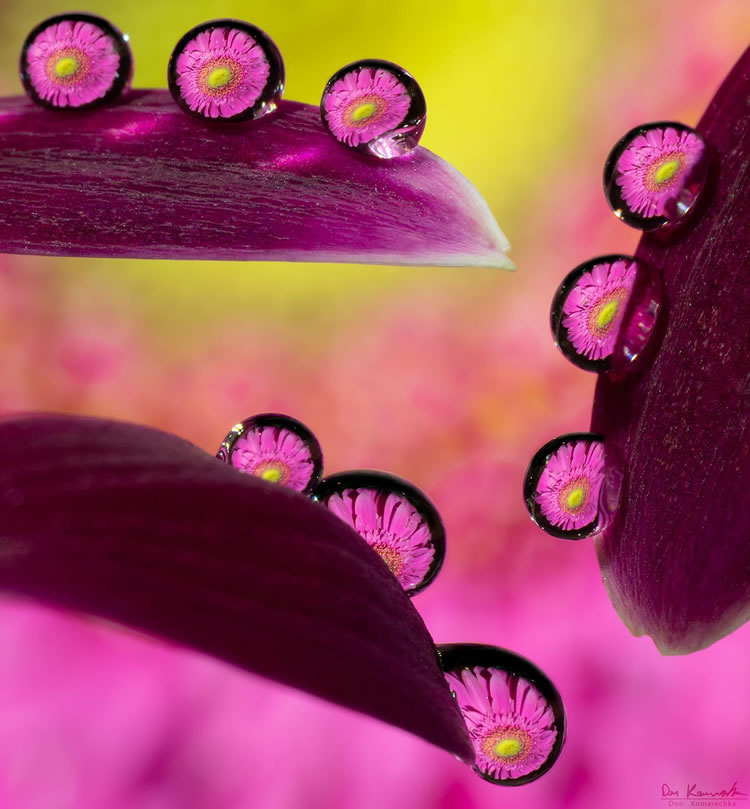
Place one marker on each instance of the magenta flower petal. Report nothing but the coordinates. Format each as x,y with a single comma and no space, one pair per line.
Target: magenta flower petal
676,558
375,106
514,714
140,527
277,448
226,69
141,179
75,61
394,518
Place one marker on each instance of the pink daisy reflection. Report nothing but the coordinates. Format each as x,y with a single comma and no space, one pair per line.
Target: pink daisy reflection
274,454
72,63
653,170
222,72
364,104
568,487
391,526
594,308
510,723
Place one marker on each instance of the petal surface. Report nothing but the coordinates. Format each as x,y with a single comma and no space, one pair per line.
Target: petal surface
676,559
142,528
141,179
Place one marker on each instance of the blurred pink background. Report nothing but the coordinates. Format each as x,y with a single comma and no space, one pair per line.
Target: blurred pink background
446,377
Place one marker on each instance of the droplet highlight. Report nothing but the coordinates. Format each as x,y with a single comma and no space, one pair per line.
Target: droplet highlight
395,518
75,61
605,311
655,174
513,712
275,448
227,70
375,107
571,488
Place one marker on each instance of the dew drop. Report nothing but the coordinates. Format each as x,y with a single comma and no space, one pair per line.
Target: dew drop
75,61
375,107
395,518
276,448
605,311
226,70
655,174
513,712
572,486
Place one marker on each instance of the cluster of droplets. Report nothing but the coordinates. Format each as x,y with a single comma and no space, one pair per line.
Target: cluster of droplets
396,519
513,713
222,70
603,316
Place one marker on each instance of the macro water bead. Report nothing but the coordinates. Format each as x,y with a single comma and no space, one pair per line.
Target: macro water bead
654,175
75,61
394,518
513,712
276,448
605,311
376,107
569,490
226,69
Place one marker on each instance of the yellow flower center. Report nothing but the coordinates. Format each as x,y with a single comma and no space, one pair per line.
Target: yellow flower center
508,747
391,557
273,475
666,170
219,77
606,314
66,67
576,497
364,111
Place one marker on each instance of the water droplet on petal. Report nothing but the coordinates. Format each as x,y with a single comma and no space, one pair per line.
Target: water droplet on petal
513,712
572,487
395,518
276,448
654,175
605,311
75,61
376,107
226,70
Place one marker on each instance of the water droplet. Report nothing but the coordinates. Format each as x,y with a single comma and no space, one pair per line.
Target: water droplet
227,70
276,448
75,61
513,712
654,174
376,107
605,311
395,518
572,487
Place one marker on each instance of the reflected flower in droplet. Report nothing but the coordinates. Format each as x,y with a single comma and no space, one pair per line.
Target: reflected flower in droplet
394,518
277,448
513,712
568,489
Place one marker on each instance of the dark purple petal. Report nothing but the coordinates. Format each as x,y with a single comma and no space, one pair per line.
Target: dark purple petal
141,179
676,560
143,528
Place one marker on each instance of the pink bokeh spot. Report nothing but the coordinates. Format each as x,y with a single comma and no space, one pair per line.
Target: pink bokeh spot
568,488
638,170
391,525
275,454
510,723
94,56
594,308
234,51
374,90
